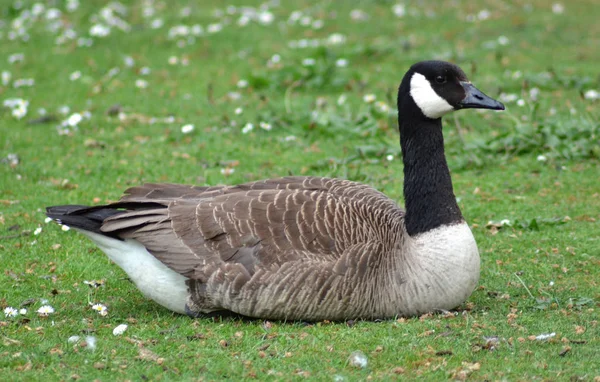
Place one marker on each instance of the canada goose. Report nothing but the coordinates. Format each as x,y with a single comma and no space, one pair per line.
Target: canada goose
306,248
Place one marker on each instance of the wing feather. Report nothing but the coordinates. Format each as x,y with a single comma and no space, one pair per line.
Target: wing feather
260,224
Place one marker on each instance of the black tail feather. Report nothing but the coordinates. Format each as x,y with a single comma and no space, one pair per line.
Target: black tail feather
85,218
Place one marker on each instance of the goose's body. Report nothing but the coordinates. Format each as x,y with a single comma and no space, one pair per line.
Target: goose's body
305,248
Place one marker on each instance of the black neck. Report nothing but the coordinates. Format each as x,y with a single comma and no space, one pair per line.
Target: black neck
428,194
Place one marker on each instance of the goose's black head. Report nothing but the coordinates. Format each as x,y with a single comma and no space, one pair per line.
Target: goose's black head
439,87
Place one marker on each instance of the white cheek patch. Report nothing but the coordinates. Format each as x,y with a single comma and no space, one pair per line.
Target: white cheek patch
430,103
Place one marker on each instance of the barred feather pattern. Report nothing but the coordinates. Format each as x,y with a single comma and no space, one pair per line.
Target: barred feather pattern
287,248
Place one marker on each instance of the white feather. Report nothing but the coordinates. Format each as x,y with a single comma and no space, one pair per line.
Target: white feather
446,269
430,103
155,280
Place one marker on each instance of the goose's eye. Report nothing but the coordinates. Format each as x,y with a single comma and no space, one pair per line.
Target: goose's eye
440,79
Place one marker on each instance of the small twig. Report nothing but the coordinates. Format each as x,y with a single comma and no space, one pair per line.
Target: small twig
458,127
210,94
24,233
525,286
288,94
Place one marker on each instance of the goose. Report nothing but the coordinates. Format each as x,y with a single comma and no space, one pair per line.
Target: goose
306,248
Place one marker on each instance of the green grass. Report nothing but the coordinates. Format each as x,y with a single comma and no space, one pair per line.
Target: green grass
539,275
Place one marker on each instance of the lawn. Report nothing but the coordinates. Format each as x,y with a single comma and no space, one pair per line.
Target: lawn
97,98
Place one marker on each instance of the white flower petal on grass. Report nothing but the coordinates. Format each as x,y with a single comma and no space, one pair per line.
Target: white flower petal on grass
17,57
591,95
72,5
18,107
6,76
37,231
248,127
508,97
242,84
275,59
382,107
484,14
214,28
38,9
545,336
238,111
265,126
23,311
265,17
179,31
185,12
120,329
82,41
306,21
558,8
45,310
99,30
308,61
541,158
243,20
101,309
75,75
399,10
23,82
227,171
521,102
65,227
142,84
73,339
10,312
186,129
157,23
295,16
358,359
74,119
503,40
534,93
113,72
53,14
234,96
336,39
91,342
369,98
19,112
197,30
129,61
358,15
341,63
390,157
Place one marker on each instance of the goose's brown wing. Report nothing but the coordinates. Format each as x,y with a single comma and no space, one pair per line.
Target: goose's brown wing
255,225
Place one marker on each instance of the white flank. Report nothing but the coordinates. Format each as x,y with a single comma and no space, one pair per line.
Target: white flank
446,269
430,103
155,280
